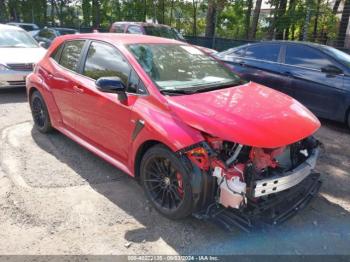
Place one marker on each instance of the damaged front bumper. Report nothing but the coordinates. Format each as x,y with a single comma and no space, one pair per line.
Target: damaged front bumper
287,180
272,210
270,200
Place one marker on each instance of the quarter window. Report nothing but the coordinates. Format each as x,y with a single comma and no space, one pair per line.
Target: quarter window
305,56
263,52
71,54
57,53
104,60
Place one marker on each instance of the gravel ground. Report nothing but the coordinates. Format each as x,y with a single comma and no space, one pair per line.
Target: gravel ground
58,198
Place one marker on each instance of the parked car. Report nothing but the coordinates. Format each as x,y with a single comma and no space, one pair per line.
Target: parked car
19,52
146,29
153,30
26,26
198,138
48,34
316,75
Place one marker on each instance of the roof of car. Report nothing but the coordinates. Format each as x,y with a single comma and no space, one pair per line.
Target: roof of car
13,27
117,38
10,27
140,23
18,23
316,45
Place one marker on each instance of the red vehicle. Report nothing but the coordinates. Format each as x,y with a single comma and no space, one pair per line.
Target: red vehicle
200,140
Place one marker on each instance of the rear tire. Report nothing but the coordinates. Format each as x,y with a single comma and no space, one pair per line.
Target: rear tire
40,113
166,182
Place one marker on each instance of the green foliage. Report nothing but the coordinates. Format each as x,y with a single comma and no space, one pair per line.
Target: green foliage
230,20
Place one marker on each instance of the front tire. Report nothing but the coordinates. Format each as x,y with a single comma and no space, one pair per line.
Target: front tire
40,113
166,182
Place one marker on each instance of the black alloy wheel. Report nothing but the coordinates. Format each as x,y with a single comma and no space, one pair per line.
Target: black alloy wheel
40,113
166,182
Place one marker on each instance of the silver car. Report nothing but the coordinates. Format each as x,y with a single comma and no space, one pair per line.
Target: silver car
19,52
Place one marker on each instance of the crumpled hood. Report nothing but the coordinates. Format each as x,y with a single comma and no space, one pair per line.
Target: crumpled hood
21,55
249,114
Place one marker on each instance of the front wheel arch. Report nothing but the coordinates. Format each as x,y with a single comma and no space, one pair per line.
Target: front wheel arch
202,182
31,91
143,148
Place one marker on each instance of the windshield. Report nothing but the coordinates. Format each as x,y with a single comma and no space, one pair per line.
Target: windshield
16,38
182,67
163,31
29,27
344,58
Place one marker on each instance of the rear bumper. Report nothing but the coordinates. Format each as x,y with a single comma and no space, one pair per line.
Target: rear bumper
13,78
272,210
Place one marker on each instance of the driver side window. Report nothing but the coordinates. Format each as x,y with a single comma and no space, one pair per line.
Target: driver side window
104,60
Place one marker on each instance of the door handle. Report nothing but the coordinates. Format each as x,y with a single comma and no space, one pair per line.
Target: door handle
78,89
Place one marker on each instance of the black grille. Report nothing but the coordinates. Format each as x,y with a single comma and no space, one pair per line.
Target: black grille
21,67
17,83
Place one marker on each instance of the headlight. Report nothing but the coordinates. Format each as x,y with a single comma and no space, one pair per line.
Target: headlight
3,67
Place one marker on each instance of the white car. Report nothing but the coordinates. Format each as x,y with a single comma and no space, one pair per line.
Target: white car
19,52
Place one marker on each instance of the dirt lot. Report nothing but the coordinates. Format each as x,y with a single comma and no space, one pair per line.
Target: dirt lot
57,198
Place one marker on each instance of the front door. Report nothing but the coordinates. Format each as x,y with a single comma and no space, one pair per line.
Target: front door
103,119
321,92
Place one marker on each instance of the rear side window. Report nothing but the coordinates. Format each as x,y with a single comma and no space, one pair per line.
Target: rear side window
71,54
105,60
305,56
263,52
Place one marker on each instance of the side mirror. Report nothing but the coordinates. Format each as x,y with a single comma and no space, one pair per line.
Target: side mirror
112,85
331,70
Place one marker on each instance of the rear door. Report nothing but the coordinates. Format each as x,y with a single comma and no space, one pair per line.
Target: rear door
62,81
322,93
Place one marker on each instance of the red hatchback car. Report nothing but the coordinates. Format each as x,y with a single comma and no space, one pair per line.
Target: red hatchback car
200,140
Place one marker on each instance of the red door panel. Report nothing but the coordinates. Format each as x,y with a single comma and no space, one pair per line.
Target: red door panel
103,119
65,96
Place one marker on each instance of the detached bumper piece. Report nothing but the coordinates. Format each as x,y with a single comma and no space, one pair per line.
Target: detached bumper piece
270,210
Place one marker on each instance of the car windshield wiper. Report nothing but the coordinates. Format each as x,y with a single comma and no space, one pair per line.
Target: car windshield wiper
176,91
219,85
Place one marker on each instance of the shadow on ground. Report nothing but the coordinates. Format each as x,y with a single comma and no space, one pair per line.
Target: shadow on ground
13,95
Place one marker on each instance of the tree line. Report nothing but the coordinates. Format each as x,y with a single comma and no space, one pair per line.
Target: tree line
321,21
